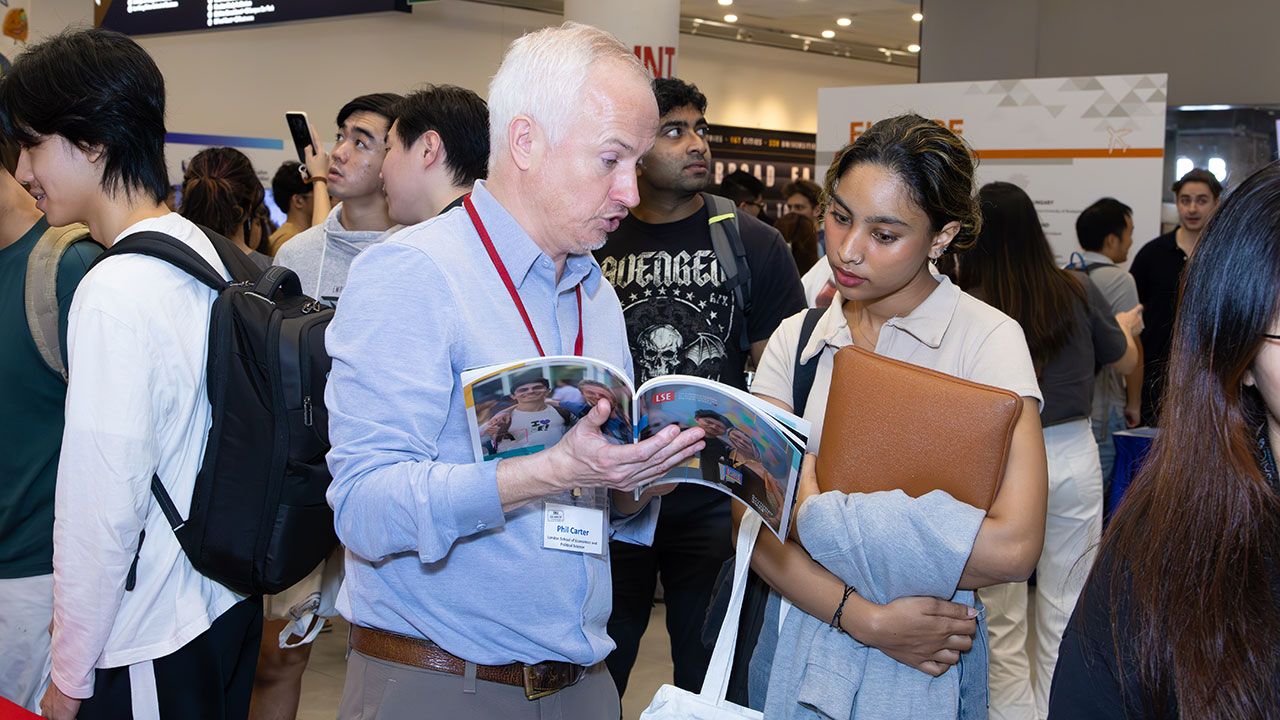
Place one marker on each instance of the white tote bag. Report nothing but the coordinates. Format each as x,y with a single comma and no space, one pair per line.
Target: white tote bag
672,703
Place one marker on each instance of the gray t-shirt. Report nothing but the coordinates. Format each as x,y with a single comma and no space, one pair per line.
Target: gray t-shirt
1121,292
1067,380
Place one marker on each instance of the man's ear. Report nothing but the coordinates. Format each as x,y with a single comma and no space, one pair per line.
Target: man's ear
524,140
432,149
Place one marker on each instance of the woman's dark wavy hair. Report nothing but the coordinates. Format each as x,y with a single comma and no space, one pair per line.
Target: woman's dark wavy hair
221,191
935,164
98,89
1194,546
1011,267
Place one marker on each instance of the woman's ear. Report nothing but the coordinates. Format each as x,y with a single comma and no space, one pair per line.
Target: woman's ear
943,239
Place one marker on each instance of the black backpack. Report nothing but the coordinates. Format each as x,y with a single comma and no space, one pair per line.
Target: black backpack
731,254
258,521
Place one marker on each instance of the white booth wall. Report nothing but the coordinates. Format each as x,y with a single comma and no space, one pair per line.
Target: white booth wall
239,82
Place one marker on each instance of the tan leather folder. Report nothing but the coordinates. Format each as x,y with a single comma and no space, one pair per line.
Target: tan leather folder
891,425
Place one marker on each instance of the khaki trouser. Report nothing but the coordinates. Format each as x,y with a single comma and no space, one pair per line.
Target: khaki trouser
380,690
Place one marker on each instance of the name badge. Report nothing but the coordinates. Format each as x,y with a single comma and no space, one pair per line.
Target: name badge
573,528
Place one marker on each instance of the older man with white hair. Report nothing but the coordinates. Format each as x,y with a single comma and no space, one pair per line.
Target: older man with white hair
462,602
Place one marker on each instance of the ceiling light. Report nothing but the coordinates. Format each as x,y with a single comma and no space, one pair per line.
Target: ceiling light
795,36
917,16
844,22
731,18
697,21
828,34
725,2
913,48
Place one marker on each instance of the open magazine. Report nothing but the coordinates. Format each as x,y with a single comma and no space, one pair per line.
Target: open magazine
753,449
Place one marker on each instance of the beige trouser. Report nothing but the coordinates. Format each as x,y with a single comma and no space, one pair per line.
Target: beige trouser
1072,531
380,690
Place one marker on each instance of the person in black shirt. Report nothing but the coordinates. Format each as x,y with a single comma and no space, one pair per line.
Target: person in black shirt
682,319
716,427
1157,270
1181,615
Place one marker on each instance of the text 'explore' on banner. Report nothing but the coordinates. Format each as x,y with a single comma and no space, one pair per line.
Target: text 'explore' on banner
1066,141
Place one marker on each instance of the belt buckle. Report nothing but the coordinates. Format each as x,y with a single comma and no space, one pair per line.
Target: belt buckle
531,692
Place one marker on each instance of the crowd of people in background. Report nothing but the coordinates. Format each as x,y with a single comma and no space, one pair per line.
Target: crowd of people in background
574,211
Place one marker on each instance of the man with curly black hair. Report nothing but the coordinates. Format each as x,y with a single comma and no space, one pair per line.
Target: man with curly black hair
683,317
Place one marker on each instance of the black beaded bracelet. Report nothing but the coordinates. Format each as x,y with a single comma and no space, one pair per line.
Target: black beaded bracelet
835,619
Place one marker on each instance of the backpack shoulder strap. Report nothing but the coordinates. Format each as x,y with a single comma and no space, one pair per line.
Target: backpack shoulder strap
1090,267
171,250
238,265
40,293
804,373
731,254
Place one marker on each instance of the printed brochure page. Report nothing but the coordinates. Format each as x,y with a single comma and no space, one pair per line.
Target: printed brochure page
753,449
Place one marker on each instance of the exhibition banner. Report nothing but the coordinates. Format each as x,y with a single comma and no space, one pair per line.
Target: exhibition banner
1066,141
776,157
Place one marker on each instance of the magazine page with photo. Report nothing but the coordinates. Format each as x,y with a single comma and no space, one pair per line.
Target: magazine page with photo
753,449
514,411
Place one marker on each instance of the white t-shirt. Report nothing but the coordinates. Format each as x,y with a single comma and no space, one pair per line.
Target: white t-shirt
951,332
137,405
535,430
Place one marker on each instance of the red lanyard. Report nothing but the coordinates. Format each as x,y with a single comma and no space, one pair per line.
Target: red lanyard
511,288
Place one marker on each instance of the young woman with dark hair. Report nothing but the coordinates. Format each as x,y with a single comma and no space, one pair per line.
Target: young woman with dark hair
221,191
898,197
1070,331
1181,614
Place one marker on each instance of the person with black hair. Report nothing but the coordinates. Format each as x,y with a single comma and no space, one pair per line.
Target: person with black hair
804,197
1070,331
1180,617
295,198
321,255
438,148
531,424
136,630
716,427
1157,270
747,191
683,318
1105,232
900,196
31,423
221,191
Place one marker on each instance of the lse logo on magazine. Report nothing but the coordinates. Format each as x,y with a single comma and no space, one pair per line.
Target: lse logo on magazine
659,398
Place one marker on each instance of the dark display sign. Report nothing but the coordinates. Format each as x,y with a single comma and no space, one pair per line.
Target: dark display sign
144,17
776,157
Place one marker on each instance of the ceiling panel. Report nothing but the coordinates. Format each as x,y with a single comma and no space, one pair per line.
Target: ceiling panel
880,23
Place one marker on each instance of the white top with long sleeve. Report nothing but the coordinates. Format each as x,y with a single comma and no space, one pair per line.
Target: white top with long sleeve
137,339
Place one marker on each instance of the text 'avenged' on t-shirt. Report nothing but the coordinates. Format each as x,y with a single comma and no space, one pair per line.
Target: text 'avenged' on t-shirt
680,318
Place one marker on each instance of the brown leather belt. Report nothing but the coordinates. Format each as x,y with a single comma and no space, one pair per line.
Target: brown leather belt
538,681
